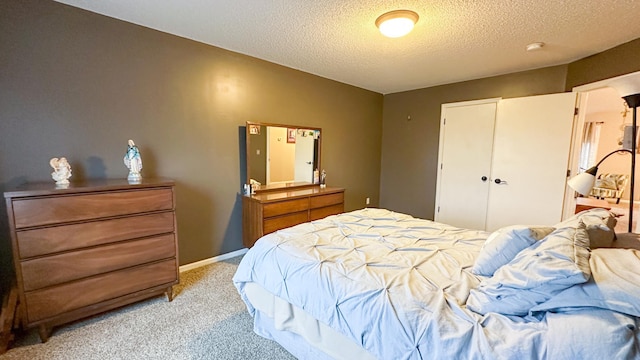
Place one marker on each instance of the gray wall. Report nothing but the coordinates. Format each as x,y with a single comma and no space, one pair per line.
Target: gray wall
410,147
77,84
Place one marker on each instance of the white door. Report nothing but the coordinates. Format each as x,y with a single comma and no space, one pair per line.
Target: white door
281,170
466,137
530,160
304,156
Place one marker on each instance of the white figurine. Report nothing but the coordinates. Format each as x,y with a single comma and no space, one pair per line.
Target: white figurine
61,170
133,161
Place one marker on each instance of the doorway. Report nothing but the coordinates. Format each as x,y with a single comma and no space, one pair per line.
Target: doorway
603,119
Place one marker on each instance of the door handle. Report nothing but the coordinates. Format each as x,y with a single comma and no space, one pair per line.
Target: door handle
484,178
498,181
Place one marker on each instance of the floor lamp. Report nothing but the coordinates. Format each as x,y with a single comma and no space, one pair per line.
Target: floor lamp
583,183
633,101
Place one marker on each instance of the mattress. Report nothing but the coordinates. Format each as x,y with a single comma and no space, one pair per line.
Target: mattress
300,333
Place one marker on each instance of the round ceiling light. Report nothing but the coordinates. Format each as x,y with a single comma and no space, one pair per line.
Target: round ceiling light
535,46
396,23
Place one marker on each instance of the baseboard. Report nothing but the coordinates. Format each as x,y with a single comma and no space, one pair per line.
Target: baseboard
215,259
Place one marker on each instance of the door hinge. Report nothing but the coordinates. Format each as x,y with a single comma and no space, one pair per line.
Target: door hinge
445,121
440,166
568,173
438,208
575,111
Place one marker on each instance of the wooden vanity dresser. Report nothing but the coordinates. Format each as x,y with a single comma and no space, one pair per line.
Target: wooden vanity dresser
268,211
90,247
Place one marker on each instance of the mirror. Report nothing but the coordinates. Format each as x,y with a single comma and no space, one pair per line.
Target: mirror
280,156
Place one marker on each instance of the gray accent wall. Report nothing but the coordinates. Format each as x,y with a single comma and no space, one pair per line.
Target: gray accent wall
78,84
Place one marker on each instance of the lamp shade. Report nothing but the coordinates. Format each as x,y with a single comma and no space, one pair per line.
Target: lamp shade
582,183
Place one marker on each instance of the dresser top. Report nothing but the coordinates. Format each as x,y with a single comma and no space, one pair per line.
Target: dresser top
294,193
50,188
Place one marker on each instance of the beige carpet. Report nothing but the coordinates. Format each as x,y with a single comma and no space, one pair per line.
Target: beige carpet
206,320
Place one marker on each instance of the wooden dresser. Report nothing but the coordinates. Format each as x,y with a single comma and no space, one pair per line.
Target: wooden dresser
90,247
266,212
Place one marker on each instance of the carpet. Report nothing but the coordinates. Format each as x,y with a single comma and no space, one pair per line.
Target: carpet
206,320
622,210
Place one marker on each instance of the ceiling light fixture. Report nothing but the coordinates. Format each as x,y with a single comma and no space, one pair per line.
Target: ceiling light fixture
396,23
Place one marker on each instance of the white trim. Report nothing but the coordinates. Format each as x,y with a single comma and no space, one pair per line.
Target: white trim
619,83
574,152
215,259
470,102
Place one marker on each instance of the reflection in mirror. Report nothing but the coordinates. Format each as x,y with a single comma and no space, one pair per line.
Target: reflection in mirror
282,155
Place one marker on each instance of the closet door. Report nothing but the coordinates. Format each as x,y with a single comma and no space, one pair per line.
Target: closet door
466,138
530,160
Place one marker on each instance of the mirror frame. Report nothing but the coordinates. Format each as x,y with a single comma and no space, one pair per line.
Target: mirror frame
288,185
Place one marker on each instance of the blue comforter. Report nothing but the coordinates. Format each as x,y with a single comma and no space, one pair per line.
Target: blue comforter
398,285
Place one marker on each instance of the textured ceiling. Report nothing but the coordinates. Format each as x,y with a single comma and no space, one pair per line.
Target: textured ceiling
454,40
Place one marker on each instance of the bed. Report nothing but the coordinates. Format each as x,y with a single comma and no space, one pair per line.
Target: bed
377,284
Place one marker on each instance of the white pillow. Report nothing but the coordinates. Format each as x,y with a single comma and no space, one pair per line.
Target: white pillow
504,244
536,274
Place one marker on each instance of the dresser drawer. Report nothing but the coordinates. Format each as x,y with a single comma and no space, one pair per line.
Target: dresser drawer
46,303
326,200
281,222
52,270
49,240
285,207
273,209
60,209
326,211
